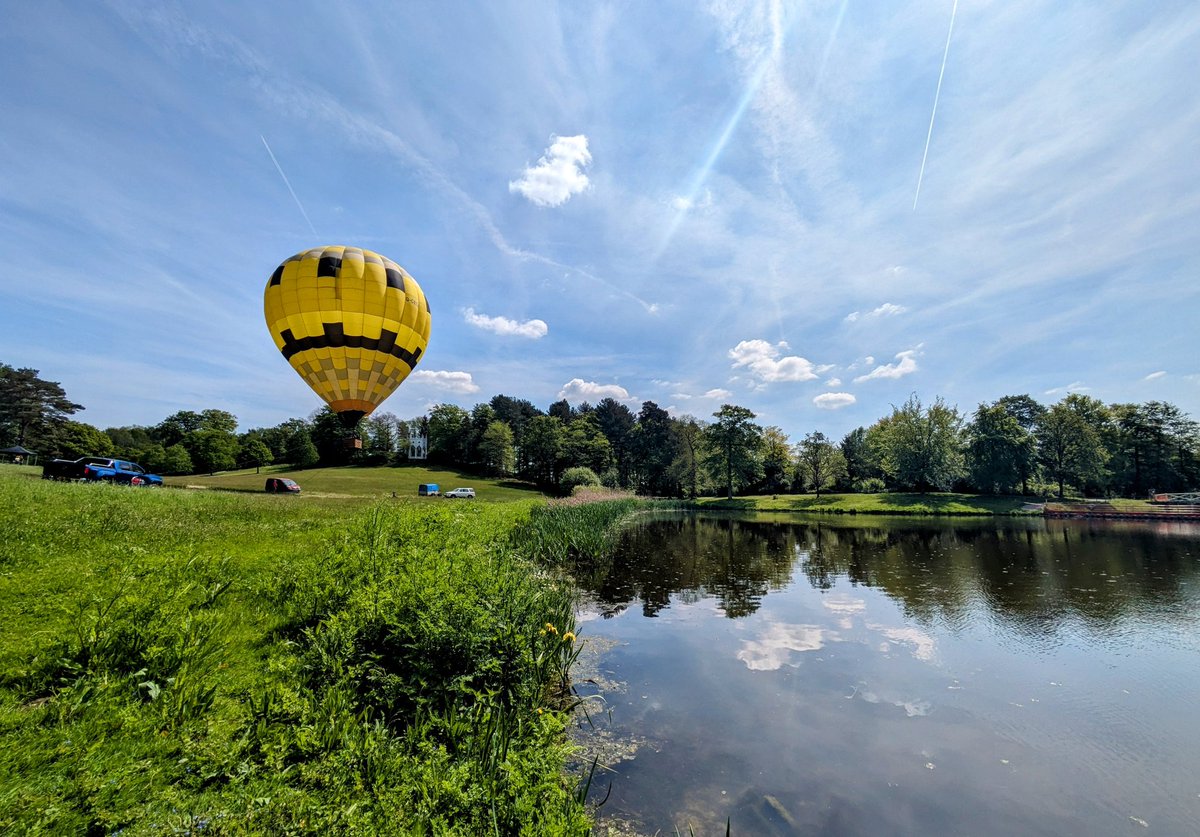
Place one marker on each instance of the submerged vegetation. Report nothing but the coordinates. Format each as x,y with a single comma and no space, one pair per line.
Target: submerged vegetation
200,661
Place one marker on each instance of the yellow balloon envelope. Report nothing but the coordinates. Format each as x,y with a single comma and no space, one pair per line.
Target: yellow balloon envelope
352,323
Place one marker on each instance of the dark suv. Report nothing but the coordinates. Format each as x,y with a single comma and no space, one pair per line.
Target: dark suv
280,485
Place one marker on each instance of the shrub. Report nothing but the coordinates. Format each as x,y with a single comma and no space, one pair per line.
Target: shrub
572,478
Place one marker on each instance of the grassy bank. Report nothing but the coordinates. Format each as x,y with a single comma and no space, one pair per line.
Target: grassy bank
229,663
886,503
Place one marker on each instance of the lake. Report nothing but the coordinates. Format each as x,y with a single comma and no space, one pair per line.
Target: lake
896,676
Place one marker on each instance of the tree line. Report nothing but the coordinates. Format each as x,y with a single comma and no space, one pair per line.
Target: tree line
1014,445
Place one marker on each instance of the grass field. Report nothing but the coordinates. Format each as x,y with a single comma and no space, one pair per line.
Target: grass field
226,662
361,482
885,503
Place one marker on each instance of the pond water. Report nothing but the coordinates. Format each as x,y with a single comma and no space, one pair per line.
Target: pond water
897,677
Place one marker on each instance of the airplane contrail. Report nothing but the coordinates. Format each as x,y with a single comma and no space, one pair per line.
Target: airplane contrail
279,169
936,96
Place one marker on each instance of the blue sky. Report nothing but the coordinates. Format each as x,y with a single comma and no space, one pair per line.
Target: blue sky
679,202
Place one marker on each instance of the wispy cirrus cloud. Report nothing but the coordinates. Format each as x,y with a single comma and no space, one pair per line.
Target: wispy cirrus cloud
1074,386
906,364
460,382
558,174
768,365
1154,376
533,329
834,400
888,309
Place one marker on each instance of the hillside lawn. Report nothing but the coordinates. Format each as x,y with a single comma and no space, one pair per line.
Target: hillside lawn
361,482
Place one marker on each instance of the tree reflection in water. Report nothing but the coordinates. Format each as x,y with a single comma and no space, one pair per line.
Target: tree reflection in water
1034,576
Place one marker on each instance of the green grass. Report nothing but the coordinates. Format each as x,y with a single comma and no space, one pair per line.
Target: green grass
887,503
355,482
227,662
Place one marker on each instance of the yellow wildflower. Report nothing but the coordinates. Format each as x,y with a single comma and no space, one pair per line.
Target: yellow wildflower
550,629
568,637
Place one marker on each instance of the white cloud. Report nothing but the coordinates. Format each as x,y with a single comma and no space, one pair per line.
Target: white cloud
1074,386
577,390
1154,376
450,381
558,174
772,650
717,393
834,382
906,364
888,309
532,329
683,204
764,362
834,400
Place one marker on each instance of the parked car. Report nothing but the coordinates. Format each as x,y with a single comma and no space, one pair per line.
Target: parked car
100,469
429,489
462,493
282,485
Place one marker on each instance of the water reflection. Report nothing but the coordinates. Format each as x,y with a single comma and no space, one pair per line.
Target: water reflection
1034,575
902,677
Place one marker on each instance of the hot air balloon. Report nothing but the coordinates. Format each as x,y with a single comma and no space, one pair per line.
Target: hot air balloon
352,323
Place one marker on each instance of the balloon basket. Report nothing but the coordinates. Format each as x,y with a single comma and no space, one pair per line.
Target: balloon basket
352,443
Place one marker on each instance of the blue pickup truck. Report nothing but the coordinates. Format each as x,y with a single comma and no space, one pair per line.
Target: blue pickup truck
100,469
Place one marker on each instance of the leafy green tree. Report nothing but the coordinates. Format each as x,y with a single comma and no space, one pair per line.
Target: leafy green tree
174,428
379,438
733,444
819,463
176,460
616,423
278,437
31,408
333,440
1096,416
212,450
1028,413
496,449
516,413
1154,448
133,442
257,453
562,411
542,449
777,461
449,435
998,448
74,439
686,469
652,445
1069,447
856,452
301,452
582,444
921,448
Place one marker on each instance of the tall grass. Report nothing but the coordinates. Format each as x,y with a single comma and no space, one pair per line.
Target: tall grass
559,532
194,662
